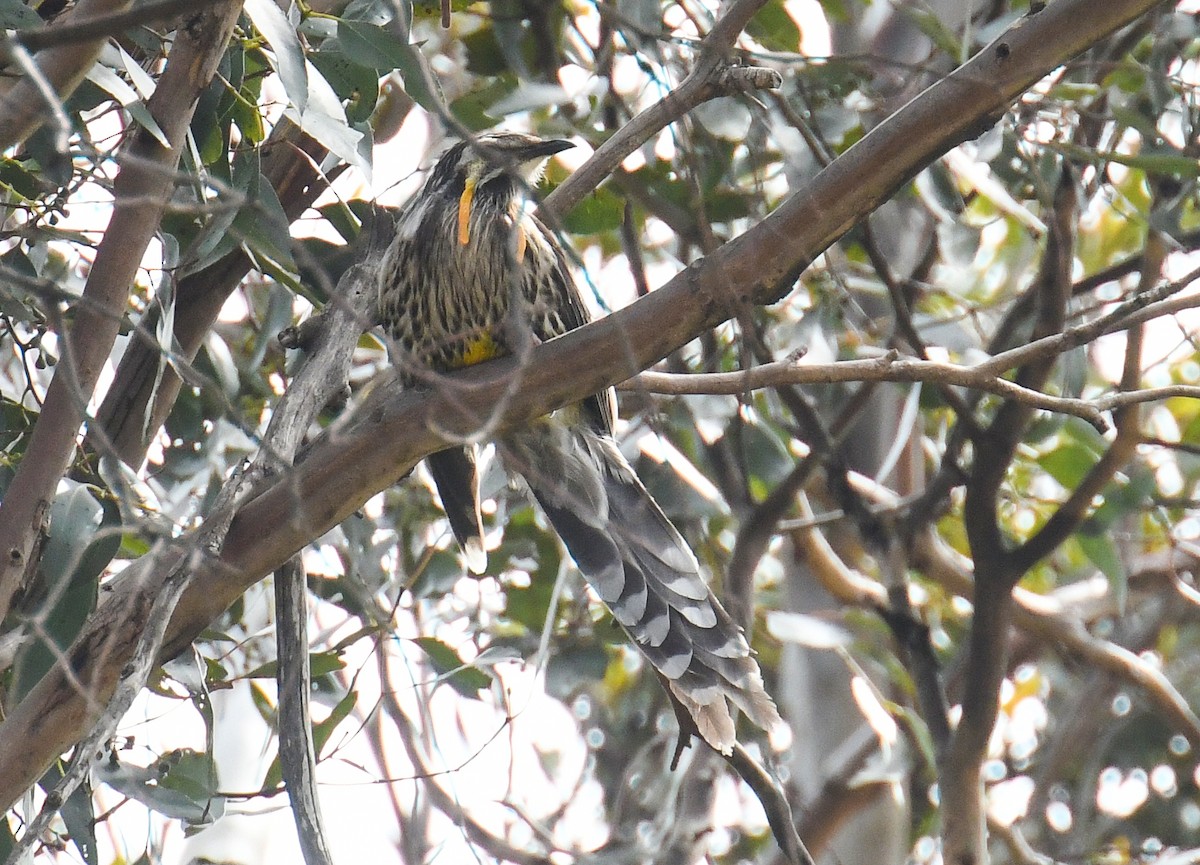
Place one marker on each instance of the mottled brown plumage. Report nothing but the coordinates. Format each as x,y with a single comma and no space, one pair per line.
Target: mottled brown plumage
472,275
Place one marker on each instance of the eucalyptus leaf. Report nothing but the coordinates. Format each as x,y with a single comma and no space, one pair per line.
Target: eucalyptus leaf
15,15
290,64
67,583
324,119
180,785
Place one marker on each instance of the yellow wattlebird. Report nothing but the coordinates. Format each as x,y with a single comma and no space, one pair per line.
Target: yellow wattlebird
471,272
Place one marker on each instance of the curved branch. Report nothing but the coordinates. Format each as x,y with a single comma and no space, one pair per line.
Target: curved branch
888,367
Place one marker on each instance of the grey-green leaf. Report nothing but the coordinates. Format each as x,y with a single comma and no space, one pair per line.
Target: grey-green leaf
274,26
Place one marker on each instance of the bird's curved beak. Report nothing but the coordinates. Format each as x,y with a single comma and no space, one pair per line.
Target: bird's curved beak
546,148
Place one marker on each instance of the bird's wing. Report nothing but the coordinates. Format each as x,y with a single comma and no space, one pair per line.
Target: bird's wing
600,409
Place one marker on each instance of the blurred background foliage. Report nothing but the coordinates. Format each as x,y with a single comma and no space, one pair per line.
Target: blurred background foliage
508,713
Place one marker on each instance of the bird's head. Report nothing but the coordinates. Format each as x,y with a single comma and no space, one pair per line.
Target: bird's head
495,155
491,171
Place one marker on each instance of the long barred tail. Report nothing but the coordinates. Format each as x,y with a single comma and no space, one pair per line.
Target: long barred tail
641,567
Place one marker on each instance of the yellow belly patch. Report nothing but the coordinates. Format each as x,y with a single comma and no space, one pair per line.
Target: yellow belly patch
478,349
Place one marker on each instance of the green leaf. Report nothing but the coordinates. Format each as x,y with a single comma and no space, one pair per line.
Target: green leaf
321,733
601,211
274,26
484,55
374,11
108,81
83,538
471,109
1071,460
381,48
774,28
1128,498
180,785
933,26
320,664
1100,549
25,183
263,228
324,119
16,15
463,677
341,711
530,548
354,82
343,219
372,45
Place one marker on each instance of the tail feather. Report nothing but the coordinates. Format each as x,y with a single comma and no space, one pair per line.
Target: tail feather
457,479
641,567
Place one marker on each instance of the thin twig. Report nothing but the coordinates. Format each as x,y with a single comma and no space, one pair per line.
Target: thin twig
887,367
774,801
706,81
101,26
1142,307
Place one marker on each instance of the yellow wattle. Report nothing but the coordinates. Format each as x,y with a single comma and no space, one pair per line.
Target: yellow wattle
522,240
464,210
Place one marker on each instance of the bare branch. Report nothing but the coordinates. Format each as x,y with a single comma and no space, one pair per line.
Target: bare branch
1125,398
709,79
100,26
888,367
775,803
297,757
1145,305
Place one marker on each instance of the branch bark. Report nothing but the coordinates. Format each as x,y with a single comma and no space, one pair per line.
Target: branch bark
63,67
139,400
297,754
368,453
141,192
